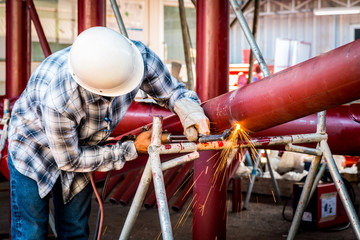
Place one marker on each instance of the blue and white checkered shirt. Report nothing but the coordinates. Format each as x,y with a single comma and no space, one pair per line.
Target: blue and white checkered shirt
57,127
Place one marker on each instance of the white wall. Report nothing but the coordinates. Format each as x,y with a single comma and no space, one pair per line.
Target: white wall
320,31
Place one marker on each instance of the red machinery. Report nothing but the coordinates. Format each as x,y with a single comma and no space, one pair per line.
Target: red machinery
324,208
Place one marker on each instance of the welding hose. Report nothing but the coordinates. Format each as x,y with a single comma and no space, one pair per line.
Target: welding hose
101,207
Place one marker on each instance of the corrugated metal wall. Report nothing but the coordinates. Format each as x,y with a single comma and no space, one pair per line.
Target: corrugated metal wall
323,32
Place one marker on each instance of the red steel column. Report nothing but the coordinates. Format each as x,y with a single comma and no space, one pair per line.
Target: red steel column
212,79
18,47
91,13
212,48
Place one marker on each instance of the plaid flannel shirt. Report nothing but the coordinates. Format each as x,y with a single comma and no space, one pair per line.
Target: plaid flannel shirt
57,127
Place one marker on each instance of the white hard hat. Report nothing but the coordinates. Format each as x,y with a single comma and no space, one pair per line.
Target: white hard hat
105,62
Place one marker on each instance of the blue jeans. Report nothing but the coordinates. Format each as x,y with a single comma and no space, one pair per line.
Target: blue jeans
30,213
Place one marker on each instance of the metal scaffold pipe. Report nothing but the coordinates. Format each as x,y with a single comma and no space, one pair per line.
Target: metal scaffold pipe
118,17
248,34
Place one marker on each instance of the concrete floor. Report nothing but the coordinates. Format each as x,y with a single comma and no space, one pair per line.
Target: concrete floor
262,220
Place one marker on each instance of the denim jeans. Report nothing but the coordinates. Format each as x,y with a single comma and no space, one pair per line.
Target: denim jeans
30,213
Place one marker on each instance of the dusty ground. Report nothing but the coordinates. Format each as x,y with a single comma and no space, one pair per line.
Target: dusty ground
262,220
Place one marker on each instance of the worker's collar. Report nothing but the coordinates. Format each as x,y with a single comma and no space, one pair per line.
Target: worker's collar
91,97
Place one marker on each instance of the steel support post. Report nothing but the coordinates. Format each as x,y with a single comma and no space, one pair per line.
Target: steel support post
252,181
317,179
118,17
339,184
276,186
18,47
143,187
304,197
254,47
137,202
254,32
310,182
158,178
186,45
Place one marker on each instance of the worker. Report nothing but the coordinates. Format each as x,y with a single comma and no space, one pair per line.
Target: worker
72,102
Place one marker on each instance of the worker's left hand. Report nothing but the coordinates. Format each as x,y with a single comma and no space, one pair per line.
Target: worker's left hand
192,118
143,141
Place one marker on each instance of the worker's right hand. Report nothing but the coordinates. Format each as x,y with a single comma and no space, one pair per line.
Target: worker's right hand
143,141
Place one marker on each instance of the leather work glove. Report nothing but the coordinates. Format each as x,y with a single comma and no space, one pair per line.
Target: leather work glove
120,153
192,118
142,141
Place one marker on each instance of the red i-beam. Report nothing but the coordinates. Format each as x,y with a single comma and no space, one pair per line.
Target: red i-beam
212,80
18,47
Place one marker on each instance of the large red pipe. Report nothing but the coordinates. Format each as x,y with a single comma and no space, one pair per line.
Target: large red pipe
143,113
212,79
318,84
91,13
18,47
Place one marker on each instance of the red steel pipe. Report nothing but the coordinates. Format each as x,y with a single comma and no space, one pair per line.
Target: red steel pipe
309,87
119,191
18,47
114,180
212,48
131,190
143,113
212,79
91,13
179,179
40,31
184,195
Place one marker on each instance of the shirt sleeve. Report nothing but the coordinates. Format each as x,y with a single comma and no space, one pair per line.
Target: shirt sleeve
62,134
160,84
